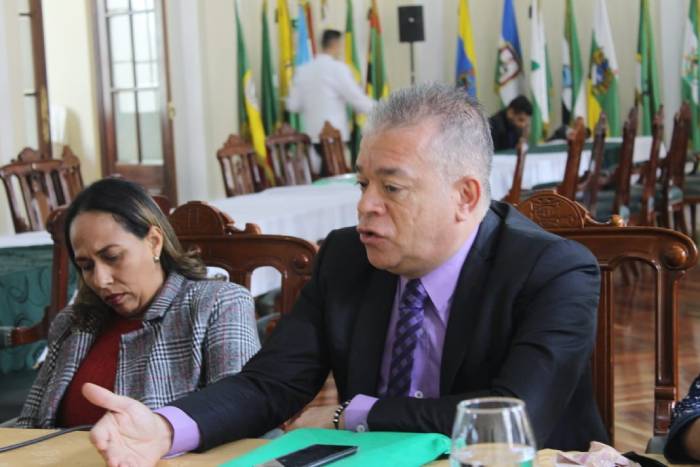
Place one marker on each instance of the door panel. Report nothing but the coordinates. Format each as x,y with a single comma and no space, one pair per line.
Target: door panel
134,90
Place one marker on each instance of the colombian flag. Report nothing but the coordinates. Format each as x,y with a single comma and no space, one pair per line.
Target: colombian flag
466,57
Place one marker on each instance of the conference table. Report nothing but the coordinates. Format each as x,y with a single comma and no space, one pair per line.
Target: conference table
74,449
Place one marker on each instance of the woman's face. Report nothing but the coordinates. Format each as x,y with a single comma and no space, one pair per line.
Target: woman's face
117,265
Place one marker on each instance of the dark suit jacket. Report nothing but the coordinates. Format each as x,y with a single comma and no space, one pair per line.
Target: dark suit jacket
522,323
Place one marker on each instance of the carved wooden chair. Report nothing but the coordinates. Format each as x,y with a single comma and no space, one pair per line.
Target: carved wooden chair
670,254
240,252
513,195
239,168
163,203
331,142
669,200
289,151
634,203
576,139
589,185
569,186
35,186
14,336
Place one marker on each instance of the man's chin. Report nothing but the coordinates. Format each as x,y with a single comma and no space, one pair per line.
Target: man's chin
381,261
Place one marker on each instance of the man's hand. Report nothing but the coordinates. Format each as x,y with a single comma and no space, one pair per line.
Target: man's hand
315,417
129,434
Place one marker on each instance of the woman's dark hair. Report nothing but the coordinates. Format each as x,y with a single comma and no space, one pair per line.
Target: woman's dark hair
133,209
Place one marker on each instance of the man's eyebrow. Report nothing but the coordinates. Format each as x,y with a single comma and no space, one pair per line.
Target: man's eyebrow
386,171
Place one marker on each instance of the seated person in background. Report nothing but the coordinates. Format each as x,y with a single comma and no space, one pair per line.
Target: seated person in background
146,323
438,295
322,89
508,125
683,440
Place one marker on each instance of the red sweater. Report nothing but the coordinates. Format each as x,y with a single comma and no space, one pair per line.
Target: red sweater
99,367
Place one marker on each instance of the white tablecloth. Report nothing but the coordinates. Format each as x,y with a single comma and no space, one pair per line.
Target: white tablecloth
25,239
305,211
549,167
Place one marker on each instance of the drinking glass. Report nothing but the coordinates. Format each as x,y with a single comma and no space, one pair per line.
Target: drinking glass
492,432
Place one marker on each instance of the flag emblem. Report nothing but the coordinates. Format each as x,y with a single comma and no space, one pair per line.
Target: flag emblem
601,73
508,63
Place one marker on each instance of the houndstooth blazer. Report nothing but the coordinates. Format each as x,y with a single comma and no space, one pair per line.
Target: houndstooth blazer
194,333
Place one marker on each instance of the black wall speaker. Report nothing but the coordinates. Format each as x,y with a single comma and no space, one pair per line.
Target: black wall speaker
411,23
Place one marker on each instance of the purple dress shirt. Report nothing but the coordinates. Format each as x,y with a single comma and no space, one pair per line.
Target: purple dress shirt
425,376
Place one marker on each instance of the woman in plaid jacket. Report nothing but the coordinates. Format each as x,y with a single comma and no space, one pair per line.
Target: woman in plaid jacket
146,323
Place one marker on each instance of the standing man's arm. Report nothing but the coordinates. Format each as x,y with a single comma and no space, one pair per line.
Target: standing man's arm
353,94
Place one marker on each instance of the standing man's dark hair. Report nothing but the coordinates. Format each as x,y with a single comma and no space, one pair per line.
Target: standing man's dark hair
329,36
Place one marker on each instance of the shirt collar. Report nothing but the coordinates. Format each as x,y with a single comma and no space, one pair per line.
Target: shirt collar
440,283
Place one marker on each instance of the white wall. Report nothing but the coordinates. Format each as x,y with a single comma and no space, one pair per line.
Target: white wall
71,75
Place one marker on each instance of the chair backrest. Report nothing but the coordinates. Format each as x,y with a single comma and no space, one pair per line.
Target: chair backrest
673,166
35,186
333,150
623,174
289,151
238,167
575,140
240,252
11,337
647,210
670,254
163,203
513,195
590,184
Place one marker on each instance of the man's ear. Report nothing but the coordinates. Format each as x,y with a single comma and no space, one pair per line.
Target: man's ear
154,239
469,193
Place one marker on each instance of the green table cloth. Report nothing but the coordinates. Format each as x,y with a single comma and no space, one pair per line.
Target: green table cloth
25,290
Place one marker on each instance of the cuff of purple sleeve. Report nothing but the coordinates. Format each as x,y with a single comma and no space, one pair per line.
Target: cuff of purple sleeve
356,412
186,435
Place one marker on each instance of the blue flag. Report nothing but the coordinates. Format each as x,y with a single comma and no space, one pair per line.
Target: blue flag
303,53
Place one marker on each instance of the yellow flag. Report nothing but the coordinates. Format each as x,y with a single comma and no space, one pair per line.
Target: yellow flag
286,50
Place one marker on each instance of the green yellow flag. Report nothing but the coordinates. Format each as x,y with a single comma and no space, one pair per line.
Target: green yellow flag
646,95
377,84
249,119
603,95
269,94
690,72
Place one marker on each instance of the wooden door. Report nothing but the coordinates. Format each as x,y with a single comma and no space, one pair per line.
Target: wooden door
134,94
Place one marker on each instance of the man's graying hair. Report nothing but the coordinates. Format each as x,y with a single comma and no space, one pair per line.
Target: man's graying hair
463,145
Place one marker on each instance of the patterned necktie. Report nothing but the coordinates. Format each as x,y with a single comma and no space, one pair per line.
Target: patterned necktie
409,328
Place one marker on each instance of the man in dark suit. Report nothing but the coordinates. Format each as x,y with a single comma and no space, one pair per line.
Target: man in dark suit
509,124
437,296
